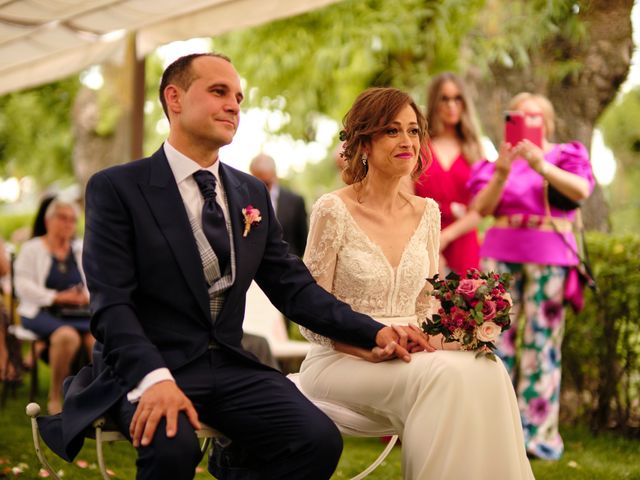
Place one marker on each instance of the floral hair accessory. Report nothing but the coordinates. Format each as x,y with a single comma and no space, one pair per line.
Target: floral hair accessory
473,310
251,215
342,135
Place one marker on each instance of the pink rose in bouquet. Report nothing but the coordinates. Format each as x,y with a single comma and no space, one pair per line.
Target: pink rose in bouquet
473,311
489,310
468,287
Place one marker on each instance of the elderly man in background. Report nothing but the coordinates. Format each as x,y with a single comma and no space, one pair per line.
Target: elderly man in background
289,206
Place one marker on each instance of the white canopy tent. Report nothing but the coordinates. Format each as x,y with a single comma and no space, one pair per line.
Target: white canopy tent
45,40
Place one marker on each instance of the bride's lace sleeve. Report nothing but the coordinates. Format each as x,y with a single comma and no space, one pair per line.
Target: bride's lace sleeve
326,230
425,303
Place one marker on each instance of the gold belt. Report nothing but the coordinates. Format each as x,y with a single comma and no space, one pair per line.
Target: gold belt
534,222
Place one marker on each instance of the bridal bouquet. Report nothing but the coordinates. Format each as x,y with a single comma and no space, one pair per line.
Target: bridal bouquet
473,310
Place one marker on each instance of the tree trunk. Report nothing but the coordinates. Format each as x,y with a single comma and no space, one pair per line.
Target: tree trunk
102,120
579,97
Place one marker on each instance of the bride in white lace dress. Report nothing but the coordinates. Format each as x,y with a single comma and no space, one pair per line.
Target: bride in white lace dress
373,246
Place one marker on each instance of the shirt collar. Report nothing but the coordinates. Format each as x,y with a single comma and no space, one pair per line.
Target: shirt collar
183,167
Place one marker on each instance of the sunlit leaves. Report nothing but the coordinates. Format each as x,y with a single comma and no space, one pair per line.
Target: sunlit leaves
320,61
35,132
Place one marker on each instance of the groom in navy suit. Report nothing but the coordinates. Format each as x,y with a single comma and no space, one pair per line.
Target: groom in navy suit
171,246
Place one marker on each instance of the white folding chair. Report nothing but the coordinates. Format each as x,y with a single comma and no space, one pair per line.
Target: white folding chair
262,318
101,435
349,423
22,334
354,424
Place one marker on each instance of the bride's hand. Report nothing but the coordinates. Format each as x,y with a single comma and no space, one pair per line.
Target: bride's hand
406,339
415,346
437,343
375,355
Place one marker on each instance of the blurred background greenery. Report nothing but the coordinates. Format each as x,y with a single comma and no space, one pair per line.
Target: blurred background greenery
302,73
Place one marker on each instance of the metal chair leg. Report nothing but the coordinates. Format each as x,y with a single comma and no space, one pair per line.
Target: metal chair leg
206,434
98,424
33,390
33,410
378,460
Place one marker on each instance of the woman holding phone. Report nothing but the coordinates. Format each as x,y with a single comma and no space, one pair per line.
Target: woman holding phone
455,146
526,240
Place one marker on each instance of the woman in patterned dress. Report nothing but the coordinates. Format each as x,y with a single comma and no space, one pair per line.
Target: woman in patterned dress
525,242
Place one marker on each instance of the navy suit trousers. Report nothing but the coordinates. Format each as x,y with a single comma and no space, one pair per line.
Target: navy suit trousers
283,435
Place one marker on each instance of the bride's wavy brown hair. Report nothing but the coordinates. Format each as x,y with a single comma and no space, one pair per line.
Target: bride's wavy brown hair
371,114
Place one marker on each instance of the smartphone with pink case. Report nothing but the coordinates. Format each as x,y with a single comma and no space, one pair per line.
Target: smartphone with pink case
521,125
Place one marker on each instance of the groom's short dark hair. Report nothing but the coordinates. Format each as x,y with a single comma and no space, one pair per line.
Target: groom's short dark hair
181,74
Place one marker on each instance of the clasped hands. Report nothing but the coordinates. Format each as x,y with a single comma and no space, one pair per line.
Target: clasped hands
75,295
399,341
166,400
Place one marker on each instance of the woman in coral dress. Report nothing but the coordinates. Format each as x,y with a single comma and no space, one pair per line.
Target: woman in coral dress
455,146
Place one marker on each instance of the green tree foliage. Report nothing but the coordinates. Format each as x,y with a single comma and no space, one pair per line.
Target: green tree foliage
153,113
601,351
318,62
35,132
619,125
574,51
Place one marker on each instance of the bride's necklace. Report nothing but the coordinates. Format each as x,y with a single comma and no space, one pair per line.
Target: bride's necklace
61,264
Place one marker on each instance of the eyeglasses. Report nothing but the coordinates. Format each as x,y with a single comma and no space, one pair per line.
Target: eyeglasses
66,218
457,99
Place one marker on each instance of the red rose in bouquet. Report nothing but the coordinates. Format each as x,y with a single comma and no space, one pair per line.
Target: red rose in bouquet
473,310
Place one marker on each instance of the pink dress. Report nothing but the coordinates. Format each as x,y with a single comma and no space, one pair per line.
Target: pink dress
523,194
445,187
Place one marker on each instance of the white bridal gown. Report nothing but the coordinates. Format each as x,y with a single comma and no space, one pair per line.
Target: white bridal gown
456,415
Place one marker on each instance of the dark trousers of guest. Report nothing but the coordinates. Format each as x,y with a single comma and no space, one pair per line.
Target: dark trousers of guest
262,412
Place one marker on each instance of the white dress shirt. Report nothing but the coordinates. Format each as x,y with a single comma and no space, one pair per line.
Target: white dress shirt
274,193
183,169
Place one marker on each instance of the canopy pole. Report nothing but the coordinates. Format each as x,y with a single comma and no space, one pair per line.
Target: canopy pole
137,92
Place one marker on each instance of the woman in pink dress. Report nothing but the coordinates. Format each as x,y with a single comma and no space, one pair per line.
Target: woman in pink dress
455,146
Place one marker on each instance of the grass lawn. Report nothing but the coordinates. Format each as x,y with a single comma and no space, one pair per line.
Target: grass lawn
607,456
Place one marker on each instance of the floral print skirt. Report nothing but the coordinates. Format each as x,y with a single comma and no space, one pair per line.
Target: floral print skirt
537,328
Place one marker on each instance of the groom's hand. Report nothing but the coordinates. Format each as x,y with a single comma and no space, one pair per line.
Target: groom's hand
404,338
163,399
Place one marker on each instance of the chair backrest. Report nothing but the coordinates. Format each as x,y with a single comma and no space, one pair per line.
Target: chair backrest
262,318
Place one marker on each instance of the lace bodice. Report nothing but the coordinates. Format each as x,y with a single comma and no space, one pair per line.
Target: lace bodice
344,261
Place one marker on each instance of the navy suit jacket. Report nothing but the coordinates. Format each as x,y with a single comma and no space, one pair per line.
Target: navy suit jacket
149,295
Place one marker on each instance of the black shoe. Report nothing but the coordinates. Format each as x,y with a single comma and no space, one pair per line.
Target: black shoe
229,461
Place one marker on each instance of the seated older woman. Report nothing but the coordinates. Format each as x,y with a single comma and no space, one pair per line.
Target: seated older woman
53,298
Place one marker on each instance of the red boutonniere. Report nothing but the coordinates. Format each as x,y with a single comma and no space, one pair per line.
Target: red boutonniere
251,215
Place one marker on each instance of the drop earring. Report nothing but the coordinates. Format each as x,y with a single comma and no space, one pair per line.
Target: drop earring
364,159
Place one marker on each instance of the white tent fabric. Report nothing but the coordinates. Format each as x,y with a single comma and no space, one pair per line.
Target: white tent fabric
45,40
